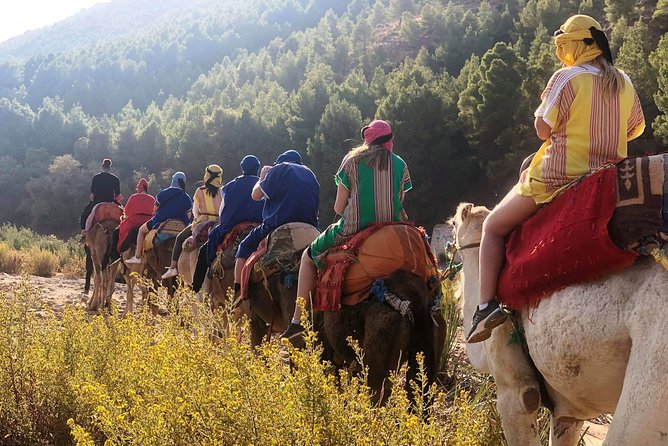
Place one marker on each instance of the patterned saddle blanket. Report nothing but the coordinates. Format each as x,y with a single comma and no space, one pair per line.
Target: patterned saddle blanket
590,230
374,253
167,230
280,251
226,251
199,235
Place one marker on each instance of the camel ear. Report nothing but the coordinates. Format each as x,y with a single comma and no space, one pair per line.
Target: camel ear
464,211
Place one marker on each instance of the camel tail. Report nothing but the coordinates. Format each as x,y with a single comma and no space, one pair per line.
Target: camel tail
409,287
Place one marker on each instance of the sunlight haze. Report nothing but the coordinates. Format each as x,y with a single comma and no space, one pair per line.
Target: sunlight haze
19,17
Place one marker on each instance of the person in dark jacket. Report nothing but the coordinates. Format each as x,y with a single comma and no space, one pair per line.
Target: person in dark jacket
105,187
290,192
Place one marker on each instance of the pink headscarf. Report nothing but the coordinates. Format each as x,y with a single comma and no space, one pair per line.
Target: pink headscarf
142,186
377,129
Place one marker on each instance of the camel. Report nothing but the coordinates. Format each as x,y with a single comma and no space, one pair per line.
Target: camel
131,281
97,239
270,307
601,347
387,338
186,263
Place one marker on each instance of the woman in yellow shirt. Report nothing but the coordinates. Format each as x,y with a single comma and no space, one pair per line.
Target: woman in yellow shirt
588,114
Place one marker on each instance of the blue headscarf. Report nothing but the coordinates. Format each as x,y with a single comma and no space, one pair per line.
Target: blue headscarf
250,165
289,156
179,180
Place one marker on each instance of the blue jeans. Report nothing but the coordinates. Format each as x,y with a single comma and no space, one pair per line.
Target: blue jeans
252,241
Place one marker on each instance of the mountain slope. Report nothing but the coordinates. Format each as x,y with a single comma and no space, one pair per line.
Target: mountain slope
95,24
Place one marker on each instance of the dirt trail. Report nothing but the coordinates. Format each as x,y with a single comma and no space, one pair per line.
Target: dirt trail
58,292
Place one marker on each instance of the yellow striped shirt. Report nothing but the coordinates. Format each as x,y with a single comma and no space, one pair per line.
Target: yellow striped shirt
587,130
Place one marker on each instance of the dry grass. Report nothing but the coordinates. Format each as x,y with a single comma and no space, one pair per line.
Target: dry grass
10,260
42,263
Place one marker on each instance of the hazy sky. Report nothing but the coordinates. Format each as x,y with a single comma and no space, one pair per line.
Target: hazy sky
18,16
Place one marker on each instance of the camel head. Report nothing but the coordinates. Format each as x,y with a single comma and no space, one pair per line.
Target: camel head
467,223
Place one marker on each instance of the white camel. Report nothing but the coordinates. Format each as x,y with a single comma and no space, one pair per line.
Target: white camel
601,347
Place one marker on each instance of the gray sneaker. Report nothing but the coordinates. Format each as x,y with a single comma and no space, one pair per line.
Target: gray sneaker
484,321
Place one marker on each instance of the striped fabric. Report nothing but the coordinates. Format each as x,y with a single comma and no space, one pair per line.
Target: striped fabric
376,196
587,130
206,207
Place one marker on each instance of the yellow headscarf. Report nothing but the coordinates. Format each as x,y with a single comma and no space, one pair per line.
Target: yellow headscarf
215,171
571,48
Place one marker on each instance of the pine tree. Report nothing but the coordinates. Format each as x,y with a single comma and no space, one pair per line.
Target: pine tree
659,61
633,59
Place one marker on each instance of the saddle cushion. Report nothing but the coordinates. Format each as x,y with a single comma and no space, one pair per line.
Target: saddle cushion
104,211
226,251
566,242
374,253
641,183
281,250
167,230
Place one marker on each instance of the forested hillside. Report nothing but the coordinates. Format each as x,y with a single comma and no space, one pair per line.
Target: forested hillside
458,80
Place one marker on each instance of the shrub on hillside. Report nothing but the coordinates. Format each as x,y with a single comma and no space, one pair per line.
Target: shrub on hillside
42,263
10,260
161,381
23,240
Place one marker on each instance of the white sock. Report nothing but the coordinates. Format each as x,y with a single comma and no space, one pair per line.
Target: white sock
296,321
482,306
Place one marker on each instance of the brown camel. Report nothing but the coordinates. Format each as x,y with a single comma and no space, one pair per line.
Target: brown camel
97,239
387,338
269,307
131,281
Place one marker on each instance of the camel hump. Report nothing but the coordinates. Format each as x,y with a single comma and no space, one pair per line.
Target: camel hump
376,252
291,237
108,211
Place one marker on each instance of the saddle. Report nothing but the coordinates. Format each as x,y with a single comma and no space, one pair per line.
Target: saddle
374,253
279,252
199,236
226,251
104,211
167,230
600,224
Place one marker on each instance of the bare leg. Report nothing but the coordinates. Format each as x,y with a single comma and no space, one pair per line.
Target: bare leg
512,210
238,267
308,274
141,235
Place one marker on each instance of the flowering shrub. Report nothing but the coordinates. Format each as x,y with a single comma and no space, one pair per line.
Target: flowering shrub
145,380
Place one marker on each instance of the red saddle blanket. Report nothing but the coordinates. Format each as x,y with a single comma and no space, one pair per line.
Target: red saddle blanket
566,242
374,253
104,211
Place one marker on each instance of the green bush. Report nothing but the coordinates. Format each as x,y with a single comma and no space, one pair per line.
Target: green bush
69,254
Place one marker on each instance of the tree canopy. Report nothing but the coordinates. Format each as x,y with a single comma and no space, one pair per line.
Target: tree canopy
193,83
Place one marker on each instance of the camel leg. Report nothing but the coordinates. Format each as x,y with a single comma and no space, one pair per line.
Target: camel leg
641,418
130,294
565,432
111,271
94,300
519,420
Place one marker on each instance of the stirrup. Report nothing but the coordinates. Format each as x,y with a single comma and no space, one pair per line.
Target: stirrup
660,256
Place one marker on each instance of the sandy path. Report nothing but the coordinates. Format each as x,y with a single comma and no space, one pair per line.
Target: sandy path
58,292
